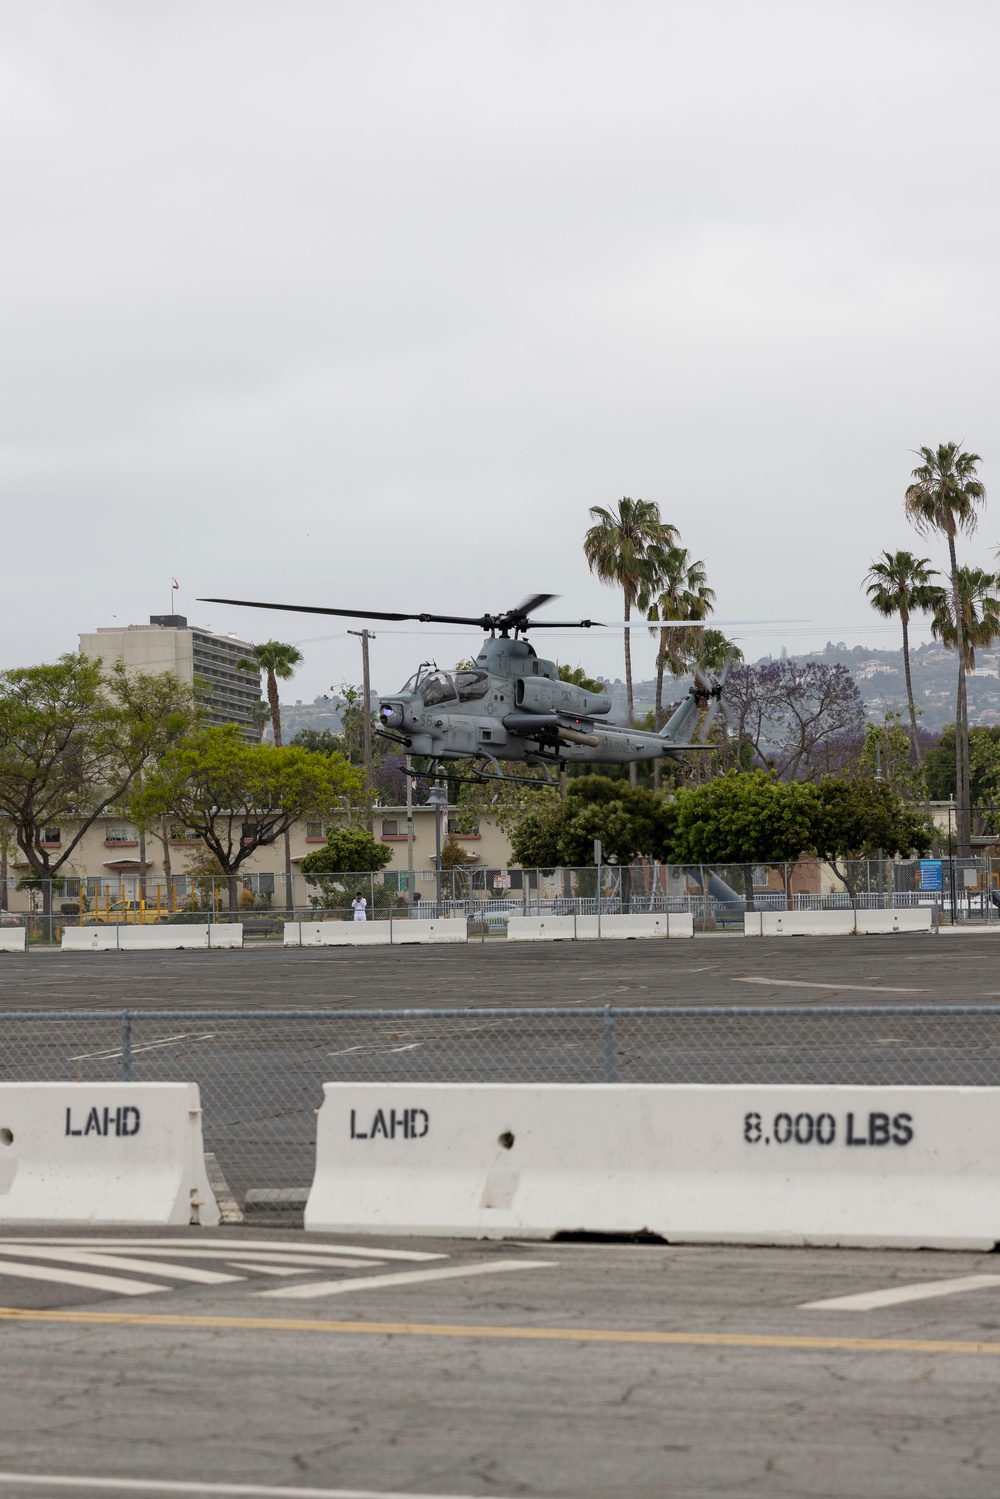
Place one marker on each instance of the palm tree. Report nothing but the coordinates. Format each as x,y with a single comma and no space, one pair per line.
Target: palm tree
627,547
684,595
278,661
897,583
943,497
980,614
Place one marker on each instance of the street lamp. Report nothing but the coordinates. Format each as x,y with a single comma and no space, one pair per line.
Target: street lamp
437,798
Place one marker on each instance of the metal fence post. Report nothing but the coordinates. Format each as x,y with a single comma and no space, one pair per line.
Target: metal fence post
127,1045
610,1071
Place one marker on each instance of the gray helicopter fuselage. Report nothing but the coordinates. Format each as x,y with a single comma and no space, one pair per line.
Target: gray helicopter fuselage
512,705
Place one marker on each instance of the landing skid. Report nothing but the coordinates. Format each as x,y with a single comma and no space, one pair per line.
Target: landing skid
481,774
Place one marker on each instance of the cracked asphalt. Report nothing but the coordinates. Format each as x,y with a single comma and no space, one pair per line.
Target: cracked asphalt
383,1402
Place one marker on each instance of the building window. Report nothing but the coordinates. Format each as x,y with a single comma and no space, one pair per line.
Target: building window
390,827
317,829
121,832
455,828
394,879
52,835
259,832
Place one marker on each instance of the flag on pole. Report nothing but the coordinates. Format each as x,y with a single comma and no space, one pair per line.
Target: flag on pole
174,584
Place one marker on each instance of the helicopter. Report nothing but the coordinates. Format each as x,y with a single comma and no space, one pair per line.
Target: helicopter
511,704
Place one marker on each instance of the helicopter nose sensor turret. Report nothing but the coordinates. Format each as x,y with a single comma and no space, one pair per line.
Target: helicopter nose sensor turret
391,715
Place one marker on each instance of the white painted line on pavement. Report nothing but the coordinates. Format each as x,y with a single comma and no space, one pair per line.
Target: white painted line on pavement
806,984
94,1259
236,1245
260,1269
90,1282
235,1490
319,1288
107,1056
293,1258
923,1290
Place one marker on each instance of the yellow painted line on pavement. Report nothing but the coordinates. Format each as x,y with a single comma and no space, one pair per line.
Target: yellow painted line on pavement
523,1334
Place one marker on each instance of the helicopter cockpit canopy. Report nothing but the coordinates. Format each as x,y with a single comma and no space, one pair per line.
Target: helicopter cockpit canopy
438,687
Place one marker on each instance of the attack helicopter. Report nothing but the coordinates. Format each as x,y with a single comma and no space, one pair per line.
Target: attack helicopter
511,705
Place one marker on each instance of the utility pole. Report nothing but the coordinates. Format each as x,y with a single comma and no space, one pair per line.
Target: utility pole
409,831
366,739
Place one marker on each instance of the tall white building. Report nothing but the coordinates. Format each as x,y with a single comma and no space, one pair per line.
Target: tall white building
169,643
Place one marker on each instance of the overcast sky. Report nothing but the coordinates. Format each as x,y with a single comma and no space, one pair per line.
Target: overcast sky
365,304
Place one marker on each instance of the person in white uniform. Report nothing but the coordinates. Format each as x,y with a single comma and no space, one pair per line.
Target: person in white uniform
360,907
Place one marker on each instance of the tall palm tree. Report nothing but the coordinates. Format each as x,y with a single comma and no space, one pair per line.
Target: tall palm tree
980,614
278,661
683,594
943,497
898,583
626,547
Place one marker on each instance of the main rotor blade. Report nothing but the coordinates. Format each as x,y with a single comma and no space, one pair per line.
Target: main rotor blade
535,601
688,624
481,621
561,624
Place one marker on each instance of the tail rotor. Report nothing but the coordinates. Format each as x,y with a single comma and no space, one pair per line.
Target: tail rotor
711,691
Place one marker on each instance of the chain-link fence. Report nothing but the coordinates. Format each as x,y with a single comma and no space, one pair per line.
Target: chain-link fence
261,1075
718,896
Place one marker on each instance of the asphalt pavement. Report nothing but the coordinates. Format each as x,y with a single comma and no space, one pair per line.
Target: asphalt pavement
256,1360
621,1370
709,969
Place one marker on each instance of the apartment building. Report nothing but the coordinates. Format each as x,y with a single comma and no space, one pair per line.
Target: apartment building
169,643
110,860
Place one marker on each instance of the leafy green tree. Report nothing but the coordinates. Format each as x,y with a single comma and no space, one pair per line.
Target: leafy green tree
886,755
943,498
321,741
984,769
899,583
627,547
629,821
348,851
857,816
744,819
237,796
74,741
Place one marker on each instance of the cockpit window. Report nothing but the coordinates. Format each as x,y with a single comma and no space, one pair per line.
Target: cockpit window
471,685
436,688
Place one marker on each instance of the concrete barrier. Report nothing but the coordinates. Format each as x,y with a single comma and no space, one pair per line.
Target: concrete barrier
541,928
373,933
906,919
129,1153
909,1167
836,923
337,933
585,928
13,939
109,938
